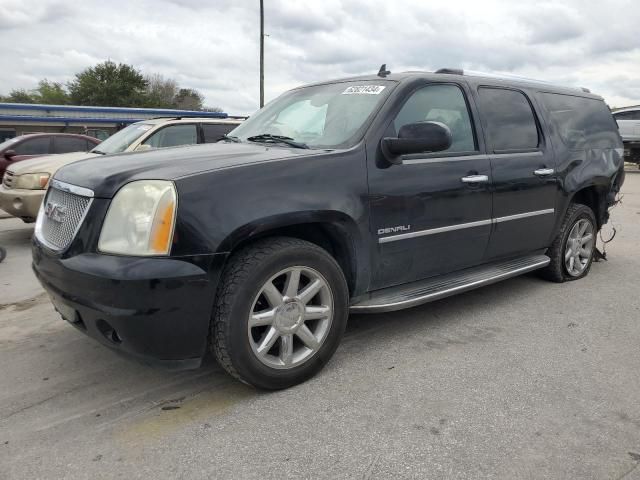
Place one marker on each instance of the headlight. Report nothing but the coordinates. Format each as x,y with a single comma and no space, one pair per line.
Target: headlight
31,181
140,219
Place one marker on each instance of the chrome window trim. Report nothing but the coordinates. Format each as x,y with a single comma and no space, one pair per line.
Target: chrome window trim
460,226
68,187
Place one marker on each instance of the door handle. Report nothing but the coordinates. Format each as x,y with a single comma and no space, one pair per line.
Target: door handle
475,179
544,172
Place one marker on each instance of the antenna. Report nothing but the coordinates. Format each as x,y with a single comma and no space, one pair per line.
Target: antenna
383,72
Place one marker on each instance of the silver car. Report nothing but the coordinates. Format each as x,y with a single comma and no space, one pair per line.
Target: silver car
629,125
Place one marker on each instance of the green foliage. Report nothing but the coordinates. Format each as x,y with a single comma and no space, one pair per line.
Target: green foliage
51,93
188,99
19,96
161,91
110,85
113,85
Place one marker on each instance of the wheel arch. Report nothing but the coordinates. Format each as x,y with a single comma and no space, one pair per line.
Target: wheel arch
333,231
595,197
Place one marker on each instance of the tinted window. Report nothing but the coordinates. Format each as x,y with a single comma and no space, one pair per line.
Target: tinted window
510,122
33,146
214,132
440,103
173,136
631,115
582,122
69,144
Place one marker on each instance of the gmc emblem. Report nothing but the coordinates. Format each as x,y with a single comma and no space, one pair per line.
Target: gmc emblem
55,211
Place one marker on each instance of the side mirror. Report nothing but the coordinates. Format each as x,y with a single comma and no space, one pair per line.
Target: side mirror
9,154
419,137
143,147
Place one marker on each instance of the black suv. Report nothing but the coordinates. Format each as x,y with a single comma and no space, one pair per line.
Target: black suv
367,194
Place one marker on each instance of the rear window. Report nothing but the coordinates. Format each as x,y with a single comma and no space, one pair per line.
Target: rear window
629,115
510,122
582,123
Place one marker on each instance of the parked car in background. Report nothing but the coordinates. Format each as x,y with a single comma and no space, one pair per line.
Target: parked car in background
628,120
38,144
24,185
367,194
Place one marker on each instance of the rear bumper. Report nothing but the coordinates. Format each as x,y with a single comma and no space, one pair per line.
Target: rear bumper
155,309
21,203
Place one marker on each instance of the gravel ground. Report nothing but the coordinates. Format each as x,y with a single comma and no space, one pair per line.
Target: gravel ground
523,379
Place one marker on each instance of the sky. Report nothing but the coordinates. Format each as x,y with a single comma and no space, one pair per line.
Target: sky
213,45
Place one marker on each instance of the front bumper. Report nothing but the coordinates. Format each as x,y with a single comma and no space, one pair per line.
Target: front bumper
21,203
155,309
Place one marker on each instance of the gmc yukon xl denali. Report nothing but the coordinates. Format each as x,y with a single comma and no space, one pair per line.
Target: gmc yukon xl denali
367,194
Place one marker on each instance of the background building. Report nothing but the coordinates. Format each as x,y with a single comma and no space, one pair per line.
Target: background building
19,118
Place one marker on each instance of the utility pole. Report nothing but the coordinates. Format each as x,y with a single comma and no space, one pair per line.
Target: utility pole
261,54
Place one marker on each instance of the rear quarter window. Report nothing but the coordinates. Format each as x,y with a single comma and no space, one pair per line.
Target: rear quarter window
582,123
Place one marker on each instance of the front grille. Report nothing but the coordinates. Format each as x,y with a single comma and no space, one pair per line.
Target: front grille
8,179
62,215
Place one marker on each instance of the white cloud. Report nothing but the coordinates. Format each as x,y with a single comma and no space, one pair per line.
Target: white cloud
213,46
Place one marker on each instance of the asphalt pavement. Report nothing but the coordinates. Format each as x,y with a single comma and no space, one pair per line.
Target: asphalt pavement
524,379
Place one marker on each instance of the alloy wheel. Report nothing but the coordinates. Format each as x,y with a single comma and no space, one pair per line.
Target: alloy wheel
290,317
579,247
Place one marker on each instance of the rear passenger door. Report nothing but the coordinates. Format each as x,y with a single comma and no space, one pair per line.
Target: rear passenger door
523,170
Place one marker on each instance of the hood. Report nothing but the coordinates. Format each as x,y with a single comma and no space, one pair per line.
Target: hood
106,174
49,163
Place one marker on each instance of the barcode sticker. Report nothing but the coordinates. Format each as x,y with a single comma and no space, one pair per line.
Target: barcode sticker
364,90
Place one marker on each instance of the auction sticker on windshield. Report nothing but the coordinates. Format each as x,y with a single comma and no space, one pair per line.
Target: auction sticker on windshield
364,90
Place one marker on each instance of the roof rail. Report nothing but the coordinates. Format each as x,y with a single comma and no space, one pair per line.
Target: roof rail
504,76
451,71
201,117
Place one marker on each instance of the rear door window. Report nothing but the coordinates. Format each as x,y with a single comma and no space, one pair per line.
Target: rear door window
581,122
214,132
509,120
34,146
173,136
630,115
69,144
440,103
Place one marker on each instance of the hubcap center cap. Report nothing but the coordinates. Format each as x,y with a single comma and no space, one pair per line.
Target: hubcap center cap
289,316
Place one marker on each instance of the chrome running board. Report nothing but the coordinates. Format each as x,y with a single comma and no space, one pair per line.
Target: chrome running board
423,291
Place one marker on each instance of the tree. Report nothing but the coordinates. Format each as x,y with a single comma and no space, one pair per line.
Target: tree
109,84
19,96
212,109
161,91
188,99
51,93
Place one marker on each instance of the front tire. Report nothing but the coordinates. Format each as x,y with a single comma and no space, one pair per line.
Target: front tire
280,312
572,251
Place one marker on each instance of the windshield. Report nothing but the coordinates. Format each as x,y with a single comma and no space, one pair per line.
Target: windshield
323,116
119,141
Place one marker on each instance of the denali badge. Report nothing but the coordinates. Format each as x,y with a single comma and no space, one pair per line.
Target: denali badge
399,228
55,211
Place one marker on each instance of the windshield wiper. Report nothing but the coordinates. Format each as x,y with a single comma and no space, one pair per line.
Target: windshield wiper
231,138
267,137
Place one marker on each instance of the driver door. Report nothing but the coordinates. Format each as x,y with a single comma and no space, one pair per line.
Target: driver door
431,214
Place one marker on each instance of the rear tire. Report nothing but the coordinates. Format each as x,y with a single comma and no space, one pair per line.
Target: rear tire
280,312
572,250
